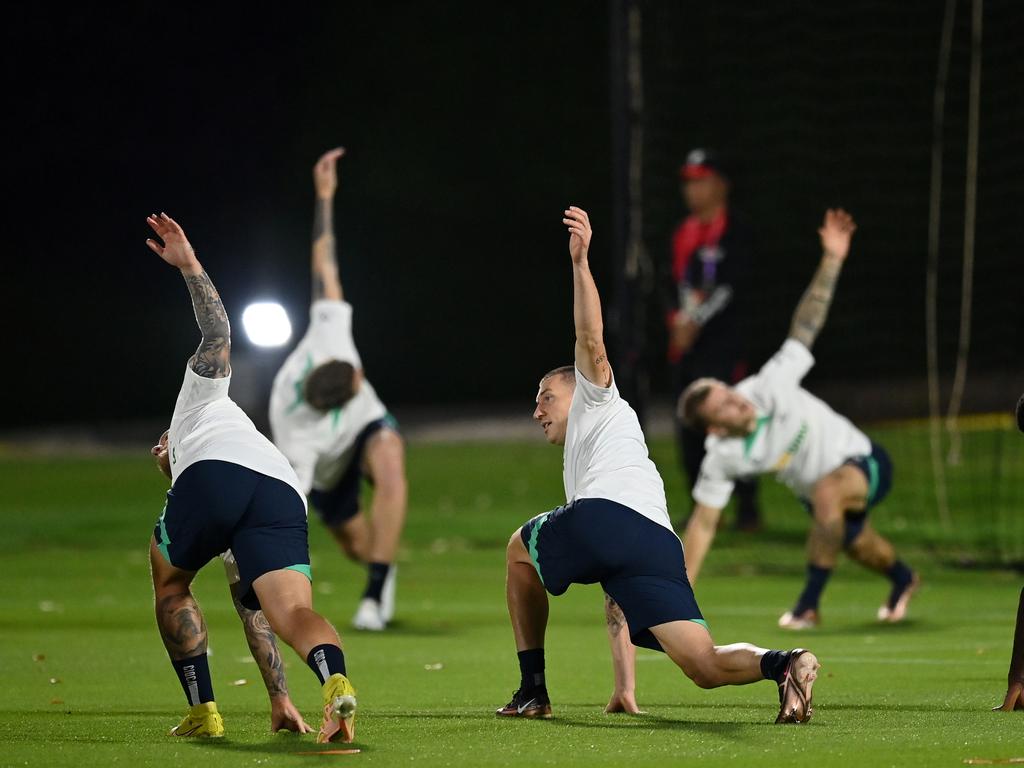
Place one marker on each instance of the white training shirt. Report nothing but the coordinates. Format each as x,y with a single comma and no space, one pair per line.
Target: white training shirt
606,455
319,445
798,437
207,424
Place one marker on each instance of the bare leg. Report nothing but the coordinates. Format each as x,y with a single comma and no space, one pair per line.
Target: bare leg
354,537
178,617
287,601
526,597
689,645
385,463
844,489
872,550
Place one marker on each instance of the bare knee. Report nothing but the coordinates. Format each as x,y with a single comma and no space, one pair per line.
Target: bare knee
516,552
826,500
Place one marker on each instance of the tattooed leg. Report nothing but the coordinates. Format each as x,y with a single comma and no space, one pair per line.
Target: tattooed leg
181,625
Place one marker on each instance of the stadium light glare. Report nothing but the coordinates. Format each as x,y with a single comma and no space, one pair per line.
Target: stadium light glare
266,324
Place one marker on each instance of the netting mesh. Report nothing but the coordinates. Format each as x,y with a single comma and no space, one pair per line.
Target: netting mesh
822,104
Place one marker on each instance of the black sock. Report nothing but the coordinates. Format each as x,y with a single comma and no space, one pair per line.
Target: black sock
326,660
817,578
194,676
773,665
531,667
900,575
378,572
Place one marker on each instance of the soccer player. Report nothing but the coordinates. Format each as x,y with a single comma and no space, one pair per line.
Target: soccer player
769,423
1014,698
329,422
231,489
615,529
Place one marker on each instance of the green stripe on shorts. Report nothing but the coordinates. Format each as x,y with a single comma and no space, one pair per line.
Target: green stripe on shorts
701,622
302,568
531,545
164,538
872,478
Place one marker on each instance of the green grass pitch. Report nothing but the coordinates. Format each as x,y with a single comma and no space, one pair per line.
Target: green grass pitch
86,681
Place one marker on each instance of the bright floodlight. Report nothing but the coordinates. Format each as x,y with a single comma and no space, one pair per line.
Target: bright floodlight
266,324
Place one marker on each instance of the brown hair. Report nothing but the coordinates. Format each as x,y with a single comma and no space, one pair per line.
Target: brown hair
330,385
693,397
564,371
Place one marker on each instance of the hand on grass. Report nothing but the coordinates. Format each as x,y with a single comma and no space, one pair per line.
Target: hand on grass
285,717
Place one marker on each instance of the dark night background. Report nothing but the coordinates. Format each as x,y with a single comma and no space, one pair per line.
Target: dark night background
469,128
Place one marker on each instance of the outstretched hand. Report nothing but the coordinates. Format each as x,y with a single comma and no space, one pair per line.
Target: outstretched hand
325,172
176,249
836,231
578,222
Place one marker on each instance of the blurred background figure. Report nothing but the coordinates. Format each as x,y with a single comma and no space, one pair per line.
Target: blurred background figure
711,262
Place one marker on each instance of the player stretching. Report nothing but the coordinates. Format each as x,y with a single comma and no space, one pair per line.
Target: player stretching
329,422
615,529
769,423
231,488
1014,698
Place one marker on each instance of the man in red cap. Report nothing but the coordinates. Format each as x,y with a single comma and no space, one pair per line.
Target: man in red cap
711,262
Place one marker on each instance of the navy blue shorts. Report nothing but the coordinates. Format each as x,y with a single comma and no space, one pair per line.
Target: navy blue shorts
877,469
341,502
638,562
216,505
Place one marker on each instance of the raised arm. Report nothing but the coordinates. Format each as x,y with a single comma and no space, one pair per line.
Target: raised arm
835,232
591,358
213,357
700,532
326,282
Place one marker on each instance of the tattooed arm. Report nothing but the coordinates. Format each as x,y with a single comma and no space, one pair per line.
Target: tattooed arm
623,660
263,646
835,232
591,356
326,282
213,357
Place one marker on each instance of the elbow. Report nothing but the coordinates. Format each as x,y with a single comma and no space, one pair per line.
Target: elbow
590,339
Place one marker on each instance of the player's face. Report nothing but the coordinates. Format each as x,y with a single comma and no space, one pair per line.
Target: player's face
728,413
704,194
554,396
159,451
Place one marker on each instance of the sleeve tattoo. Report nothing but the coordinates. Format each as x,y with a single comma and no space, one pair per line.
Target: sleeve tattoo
814,305
325,259
614,616
213,357
263,646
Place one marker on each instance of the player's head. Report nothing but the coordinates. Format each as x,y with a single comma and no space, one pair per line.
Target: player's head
709,405
332,384
705,183
159,452
554,396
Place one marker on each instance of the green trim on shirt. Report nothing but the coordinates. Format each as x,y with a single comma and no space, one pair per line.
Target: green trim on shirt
300,385
748,441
